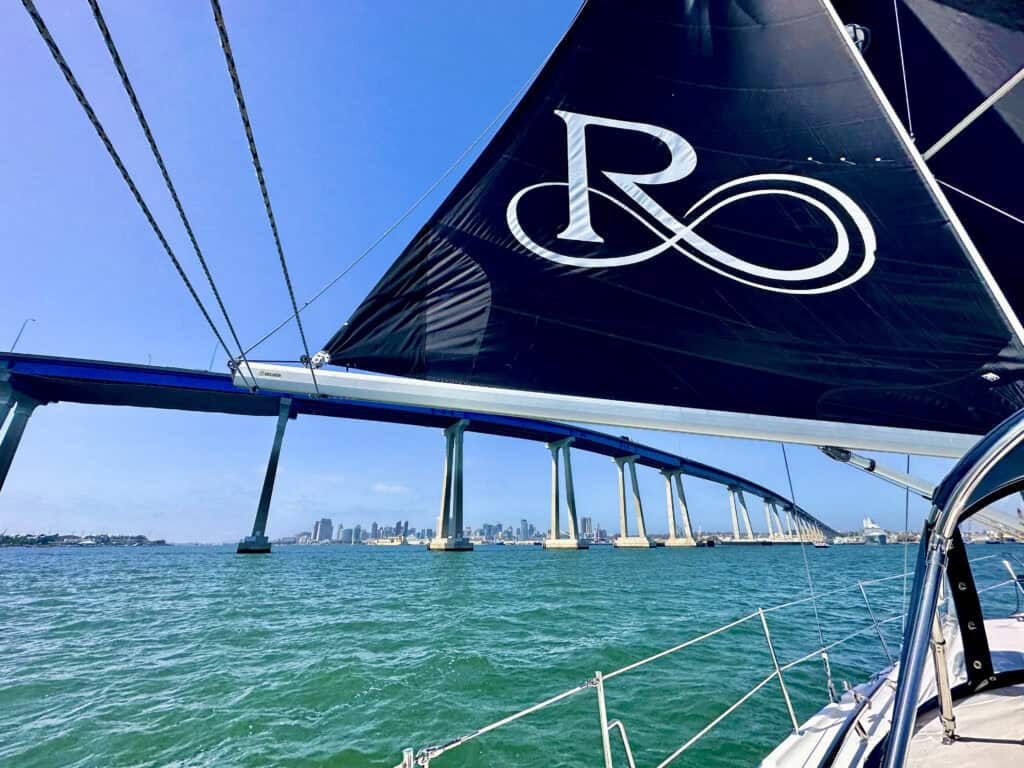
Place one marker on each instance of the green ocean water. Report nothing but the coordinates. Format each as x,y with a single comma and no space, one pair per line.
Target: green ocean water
342,656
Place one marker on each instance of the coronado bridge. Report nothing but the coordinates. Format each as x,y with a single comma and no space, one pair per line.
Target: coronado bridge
31,381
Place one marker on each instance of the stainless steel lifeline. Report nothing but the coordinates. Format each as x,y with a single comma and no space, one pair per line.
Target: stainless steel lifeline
424,756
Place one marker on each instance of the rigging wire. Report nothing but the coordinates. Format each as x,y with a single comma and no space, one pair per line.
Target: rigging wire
903,67
72,81
130,90
906,545
244,113
978,200
400,220
810,583
509,105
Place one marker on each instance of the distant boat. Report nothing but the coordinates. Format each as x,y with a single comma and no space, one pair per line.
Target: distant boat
874,533
391,541
1000,539
821,545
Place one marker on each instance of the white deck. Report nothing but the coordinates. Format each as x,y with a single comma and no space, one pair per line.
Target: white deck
997,717
990,730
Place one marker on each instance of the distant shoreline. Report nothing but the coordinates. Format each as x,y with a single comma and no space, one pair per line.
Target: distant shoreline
94,540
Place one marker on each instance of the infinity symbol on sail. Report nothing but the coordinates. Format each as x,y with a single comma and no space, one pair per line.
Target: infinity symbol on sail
851,259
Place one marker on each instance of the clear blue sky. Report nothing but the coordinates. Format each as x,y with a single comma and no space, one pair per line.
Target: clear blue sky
357,107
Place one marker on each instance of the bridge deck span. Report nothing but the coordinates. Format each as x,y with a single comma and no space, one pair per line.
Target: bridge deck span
58,379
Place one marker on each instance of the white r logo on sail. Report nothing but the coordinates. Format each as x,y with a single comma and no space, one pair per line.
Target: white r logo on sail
683,160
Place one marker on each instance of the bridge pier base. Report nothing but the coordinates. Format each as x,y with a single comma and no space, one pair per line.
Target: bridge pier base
450,536
625,541
21,408
554,539
674,540
257,543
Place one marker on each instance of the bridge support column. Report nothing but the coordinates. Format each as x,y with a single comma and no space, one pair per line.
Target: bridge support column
746,515
22,407
554,539
6,402
778,522
768,520
674,540
732,514
794,531
258,543
625,540
450,536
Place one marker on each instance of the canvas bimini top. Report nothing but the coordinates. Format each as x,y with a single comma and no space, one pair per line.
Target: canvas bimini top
714,205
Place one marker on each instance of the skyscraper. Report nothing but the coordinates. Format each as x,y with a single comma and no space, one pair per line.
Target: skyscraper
374,531
587,527
323,529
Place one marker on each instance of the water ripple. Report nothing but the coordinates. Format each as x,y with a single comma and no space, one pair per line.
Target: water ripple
342,656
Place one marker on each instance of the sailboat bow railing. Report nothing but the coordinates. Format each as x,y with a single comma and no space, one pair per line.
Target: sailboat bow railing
423,757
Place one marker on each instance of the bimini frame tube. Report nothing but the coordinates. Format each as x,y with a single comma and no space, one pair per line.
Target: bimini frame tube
924,597
921,487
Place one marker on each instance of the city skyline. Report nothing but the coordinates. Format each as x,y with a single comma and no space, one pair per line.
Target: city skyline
304,493
99,286
326,531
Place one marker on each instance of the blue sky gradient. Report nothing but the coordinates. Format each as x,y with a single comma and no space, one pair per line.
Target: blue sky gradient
357,108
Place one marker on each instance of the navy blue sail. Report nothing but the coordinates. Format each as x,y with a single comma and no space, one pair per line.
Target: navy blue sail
701,204
956,54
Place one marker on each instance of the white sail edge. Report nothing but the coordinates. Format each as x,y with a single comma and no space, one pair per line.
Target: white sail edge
977,261
397,390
